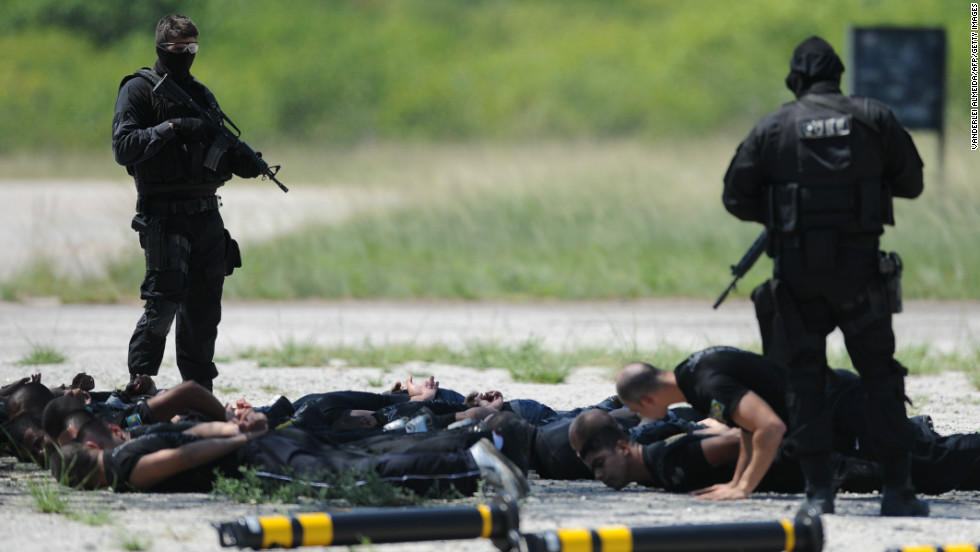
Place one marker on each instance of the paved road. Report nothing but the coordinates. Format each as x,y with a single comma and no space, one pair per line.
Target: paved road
623,325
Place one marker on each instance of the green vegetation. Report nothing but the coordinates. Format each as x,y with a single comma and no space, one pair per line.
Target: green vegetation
531,361
127,540
563,221
42,354
559,150
93,516
347,488
528,360
923,359
49,497
354,72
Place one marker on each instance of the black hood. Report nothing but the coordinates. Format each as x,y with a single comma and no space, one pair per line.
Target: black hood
814,60
177,65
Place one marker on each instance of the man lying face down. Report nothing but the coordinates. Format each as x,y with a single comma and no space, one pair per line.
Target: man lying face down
180,458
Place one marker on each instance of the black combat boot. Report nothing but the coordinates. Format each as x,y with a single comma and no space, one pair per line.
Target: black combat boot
898,494
819,486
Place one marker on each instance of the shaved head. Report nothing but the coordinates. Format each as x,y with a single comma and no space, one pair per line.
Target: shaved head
637,379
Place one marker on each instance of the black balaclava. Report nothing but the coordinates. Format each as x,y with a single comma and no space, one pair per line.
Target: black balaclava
178,65
813,60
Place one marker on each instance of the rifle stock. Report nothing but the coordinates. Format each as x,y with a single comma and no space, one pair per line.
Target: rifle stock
745,264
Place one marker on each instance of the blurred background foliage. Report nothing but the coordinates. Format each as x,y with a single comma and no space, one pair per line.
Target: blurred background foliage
350,72
567,149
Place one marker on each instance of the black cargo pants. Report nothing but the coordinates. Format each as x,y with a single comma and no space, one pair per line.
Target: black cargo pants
185,271
804,307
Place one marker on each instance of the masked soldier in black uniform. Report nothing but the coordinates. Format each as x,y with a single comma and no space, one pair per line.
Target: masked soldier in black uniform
820,174
188,251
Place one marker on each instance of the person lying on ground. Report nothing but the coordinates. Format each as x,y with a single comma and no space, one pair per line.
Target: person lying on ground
103,456
696,460
184,399
746,391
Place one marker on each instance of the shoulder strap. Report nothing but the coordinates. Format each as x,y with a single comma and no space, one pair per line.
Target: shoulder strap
146,73
149,75
838,104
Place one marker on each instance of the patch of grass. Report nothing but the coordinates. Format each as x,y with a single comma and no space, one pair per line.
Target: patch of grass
923,359
42,354
227,389
571,221
132,541
48,496
350,487
528,360
96,517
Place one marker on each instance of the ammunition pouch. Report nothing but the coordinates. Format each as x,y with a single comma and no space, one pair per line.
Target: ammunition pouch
883,295
233,254
890,267
163,251
784,337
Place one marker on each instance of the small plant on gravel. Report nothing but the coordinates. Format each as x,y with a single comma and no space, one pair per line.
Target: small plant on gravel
89,516
48,496
42,354
131,541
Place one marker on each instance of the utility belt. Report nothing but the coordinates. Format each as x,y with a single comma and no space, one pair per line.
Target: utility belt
165,207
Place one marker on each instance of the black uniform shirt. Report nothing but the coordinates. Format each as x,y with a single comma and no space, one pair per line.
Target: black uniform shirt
771,154
715,380
121,461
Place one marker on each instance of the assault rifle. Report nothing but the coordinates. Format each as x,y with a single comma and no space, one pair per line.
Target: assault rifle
218,121
744,265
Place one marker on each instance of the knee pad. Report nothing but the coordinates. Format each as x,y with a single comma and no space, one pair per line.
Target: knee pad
160,317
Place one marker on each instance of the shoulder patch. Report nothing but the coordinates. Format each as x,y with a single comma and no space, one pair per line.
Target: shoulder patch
717,411
823,127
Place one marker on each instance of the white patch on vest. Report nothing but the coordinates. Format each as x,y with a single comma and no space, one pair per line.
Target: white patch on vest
824,127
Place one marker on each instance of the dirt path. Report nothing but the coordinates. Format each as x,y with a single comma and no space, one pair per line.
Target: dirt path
80,225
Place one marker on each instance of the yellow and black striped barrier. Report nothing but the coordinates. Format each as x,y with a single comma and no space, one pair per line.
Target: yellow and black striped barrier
804,534
952,547
498,522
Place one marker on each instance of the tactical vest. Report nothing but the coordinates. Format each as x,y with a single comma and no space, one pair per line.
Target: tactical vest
828,172
177,170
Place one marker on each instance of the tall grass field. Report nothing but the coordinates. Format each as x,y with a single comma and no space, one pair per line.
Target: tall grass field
569,221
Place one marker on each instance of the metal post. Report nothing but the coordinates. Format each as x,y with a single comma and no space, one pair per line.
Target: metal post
498,522
804,534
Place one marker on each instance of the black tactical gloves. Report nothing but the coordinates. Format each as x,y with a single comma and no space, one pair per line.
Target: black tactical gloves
246,166
189,129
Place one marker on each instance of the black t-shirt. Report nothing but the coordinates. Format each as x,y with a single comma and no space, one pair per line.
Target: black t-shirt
715,380
677,464
120,462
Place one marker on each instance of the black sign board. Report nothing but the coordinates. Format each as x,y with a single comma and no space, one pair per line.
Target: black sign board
903,67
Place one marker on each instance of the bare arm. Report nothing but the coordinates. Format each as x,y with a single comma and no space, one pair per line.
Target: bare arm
158,466
189,395
762,432
721,448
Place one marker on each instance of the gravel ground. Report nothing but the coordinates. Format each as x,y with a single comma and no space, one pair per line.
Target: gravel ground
94,339
82,224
